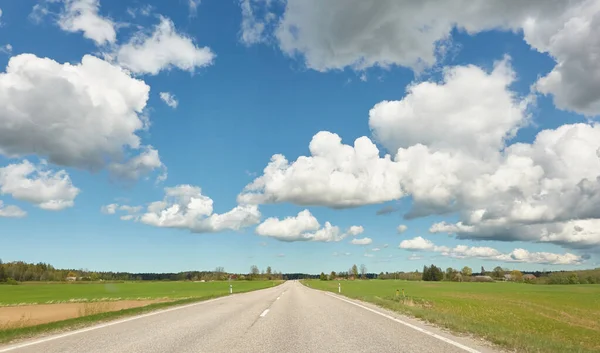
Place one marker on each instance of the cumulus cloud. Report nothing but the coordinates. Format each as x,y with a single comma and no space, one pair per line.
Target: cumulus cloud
414,257
539,191
184,207
401,229
335,175
80,115
11,211
35,184
361,241
82,16
488,253
355,230
303,227
333,35
163,49
169,99
256,19
114,207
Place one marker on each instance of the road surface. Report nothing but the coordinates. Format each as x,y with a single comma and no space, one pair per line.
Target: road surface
287,318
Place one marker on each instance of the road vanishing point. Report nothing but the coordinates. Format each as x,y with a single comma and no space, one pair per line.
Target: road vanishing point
286,318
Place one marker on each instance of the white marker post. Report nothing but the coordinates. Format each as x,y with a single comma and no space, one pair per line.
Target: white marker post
339,287
231,289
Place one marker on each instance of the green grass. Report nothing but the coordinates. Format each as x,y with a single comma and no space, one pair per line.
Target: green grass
181,292
71,292
528,318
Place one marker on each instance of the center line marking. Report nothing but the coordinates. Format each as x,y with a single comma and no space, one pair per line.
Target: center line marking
264,313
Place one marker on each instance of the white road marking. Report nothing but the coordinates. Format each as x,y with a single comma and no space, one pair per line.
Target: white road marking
434,335
264,313
52,338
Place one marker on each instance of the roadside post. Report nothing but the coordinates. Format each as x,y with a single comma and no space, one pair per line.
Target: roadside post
339,287
230,288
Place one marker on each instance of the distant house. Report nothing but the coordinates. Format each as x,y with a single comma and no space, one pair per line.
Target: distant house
71,279
508,277
482,279
529,277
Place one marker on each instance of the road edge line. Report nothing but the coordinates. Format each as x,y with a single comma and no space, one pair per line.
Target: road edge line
422,330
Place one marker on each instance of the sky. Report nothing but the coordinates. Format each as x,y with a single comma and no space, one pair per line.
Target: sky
305,135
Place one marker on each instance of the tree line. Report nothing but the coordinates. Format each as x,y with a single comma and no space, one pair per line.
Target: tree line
19,271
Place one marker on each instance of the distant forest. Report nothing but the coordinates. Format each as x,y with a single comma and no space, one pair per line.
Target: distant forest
19,271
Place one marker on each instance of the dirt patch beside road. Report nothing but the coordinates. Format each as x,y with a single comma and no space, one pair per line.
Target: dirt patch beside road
31,315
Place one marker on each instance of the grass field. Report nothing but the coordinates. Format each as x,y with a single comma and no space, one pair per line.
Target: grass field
528,318
60,293
177,292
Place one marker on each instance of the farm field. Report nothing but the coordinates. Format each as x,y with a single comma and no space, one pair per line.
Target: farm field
79,292
27,305
524,317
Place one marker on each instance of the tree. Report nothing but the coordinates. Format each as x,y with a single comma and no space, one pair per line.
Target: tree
482,271
269,270
363,271
3,276
333,275
516,275
354,271
432,273
498,272
254,271
323,276
450,273
467,272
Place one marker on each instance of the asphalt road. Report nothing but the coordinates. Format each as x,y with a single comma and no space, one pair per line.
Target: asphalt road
288,318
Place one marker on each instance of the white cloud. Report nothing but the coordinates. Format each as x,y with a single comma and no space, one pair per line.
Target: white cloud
169,99
522,191
414,257
417,243
482,252
185,207
428,159
82,16
255,21
361,241
385,245
375,249
401,229
333,35
335,175
572,40
6,49
164,49
11,211
80,115
193,7
479,112
139,165
355,230
341,253
114,207
303,227
368,255
46,189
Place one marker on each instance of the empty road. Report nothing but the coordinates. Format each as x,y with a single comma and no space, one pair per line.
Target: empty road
288,318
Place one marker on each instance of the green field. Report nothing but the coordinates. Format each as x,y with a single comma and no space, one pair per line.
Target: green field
76,292
528,318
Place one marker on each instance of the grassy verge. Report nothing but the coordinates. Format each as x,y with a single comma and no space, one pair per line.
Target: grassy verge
12,334
522,317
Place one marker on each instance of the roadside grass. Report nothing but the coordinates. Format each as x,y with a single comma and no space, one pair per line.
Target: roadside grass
523,317
92,316
98,291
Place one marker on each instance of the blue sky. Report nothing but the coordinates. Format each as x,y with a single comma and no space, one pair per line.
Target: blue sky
253,85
